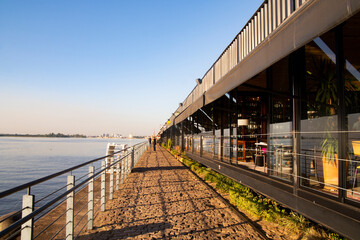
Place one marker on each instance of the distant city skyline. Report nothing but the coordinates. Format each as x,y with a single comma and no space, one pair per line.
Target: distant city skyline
94,67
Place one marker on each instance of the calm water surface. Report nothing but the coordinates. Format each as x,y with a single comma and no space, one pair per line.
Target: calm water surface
24,159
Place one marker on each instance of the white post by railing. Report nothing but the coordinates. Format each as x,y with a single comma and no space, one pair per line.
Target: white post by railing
28,207
117,172
126,167
125,163
70,209
103,187
123,167
132,158
91,199
111,192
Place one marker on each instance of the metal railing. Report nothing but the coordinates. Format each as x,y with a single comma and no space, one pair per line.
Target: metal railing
60,219
280,156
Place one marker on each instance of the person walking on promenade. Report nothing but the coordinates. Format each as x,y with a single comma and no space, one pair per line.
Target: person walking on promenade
154,143
149,143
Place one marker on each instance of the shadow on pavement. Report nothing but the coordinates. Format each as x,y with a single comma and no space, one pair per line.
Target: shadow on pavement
132,231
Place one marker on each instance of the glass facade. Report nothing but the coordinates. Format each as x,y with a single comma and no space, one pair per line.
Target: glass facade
298,121
319,119
280,142
351,49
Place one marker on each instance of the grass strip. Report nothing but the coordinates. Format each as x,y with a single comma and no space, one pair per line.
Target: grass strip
255,204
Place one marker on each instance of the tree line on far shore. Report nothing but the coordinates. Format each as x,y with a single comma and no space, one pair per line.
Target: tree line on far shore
56,135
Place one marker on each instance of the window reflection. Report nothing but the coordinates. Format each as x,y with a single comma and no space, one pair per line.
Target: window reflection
319,136
351,31
280,142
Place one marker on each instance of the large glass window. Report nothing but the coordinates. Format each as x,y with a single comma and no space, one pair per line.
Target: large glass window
206,114
222,128
187,133
319,120
177,133
280,142
217,144
227,102
351,30
249,125
197,130
188,128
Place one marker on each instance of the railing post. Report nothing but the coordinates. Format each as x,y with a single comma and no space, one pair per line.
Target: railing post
70,209
126,167
111,192
28,207
91,199
117,172
132,158
103,187
123,167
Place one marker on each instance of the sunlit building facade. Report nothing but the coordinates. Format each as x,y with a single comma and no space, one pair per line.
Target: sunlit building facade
279,111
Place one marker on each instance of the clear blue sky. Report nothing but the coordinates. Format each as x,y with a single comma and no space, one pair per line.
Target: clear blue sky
93,67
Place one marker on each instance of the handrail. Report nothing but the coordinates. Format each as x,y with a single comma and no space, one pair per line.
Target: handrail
133,156
39,210
43,179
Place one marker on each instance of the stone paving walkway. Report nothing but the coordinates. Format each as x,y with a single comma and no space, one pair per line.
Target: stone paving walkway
162,199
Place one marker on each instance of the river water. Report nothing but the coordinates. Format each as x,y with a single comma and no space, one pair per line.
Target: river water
24,159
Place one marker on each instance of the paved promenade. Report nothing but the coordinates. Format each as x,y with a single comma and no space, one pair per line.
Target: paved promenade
162,199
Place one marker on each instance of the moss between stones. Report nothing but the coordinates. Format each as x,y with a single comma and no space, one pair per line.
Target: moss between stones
255,204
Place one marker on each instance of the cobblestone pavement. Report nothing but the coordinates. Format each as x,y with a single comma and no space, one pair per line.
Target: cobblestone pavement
162,199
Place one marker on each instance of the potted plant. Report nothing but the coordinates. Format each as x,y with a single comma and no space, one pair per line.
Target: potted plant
324,76
330,163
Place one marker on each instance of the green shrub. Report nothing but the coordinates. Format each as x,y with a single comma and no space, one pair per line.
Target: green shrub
169,143
254,203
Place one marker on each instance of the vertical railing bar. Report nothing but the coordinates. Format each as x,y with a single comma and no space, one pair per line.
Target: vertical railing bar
111,190
251,32
232,47
258,28
266,21
70,209
262,24
240,46
123,167
133,160
117,172
288,8
279,12
126,166
255,30
238,49
91,198
273,15
28,207
103,187
247,40
269,17
254,34
243,34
